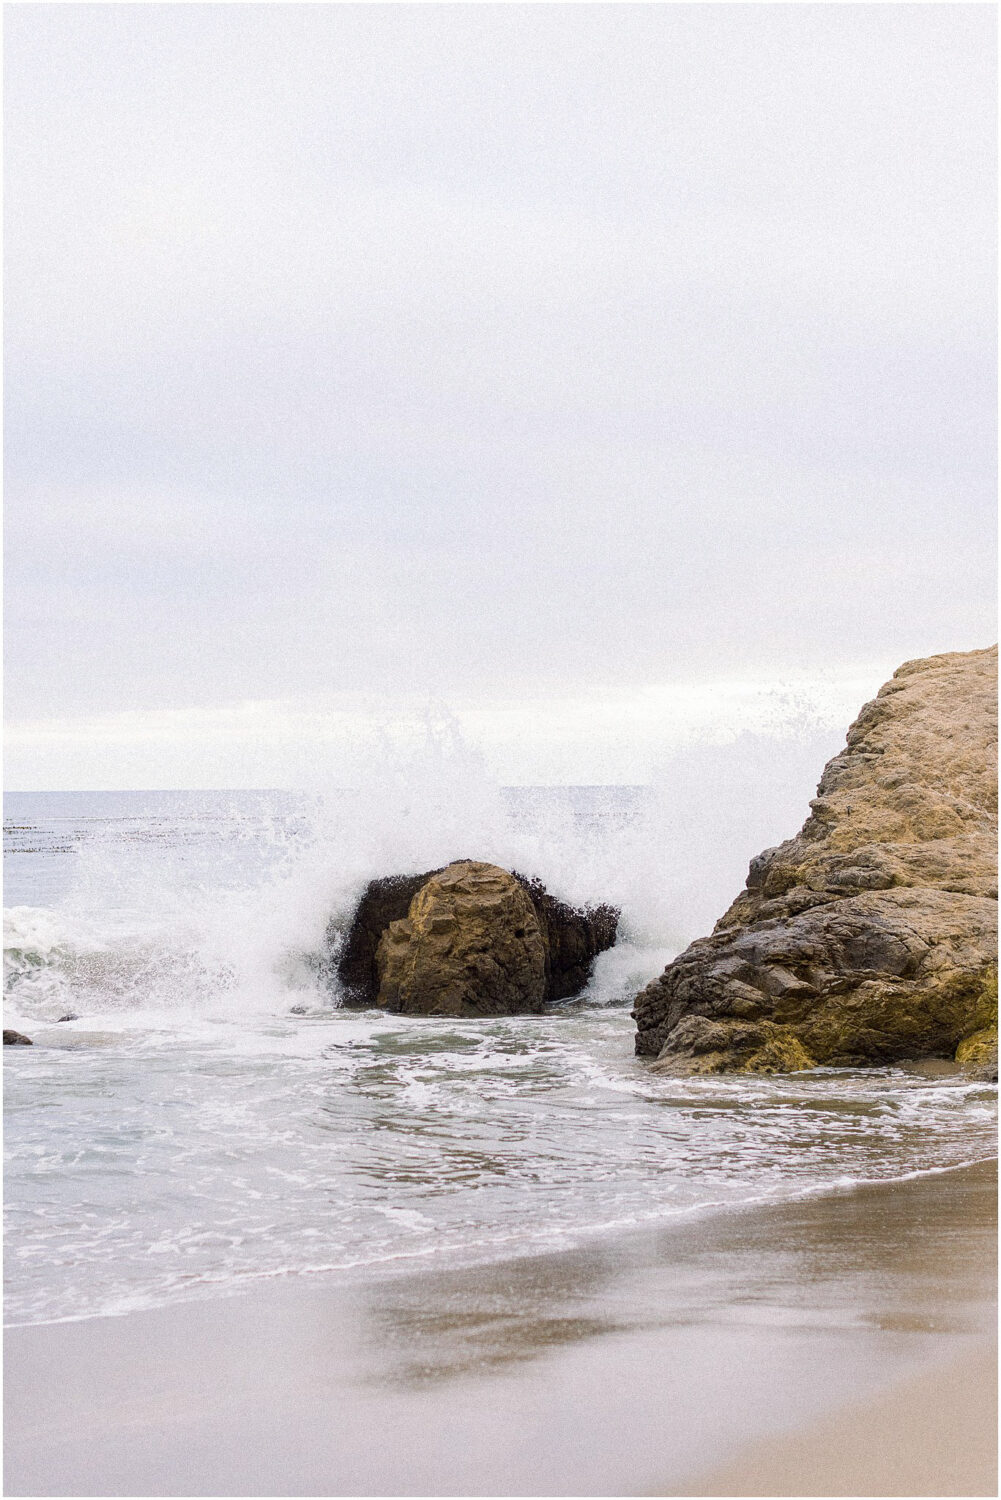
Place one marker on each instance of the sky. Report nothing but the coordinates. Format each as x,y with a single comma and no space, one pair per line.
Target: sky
595,375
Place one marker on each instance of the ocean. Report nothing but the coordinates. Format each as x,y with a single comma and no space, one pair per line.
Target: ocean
198,1113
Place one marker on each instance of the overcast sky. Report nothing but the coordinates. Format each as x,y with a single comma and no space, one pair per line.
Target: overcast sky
556,362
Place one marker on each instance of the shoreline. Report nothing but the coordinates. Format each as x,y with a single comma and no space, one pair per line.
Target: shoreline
625,1366
455,1260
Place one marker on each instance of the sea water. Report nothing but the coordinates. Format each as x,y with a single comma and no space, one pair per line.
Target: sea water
198,1112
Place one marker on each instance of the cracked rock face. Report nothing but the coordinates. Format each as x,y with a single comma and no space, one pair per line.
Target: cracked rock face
870,937
470,944
471,940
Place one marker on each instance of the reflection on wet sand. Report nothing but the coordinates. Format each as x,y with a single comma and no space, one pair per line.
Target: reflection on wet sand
787,1266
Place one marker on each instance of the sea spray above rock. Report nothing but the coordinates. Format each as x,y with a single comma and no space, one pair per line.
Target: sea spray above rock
871,937
470,939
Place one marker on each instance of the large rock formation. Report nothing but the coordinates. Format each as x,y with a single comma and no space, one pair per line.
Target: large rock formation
871,937
470,939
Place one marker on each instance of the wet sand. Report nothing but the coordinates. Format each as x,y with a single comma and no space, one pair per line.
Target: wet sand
641,1364
933,1435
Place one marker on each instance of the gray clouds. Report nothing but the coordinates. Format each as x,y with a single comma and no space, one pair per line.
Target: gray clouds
493,349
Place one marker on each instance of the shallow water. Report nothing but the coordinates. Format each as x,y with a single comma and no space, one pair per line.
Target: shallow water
189,1133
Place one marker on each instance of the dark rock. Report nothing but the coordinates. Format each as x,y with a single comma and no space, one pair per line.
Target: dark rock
16,1039
574,937
70,1016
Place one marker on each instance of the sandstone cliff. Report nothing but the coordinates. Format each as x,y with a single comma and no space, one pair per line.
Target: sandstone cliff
871,937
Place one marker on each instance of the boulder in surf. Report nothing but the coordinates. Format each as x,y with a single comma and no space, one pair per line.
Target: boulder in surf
469,939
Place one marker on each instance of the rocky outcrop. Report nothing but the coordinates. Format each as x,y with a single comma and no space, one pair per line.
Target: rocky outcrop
871,937
471,939
16,1039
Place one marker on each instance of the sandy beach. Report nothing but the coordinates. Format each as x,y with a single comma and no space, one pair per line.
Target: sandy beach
784,1348
931,1435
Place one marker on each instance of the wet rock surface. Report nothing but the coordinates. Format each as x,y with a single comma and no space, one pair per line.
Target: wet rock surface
470,939
16,1039
871,937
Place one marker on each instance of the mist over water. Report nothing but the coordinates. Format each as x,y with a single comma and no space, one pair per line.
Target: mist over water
210,1115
